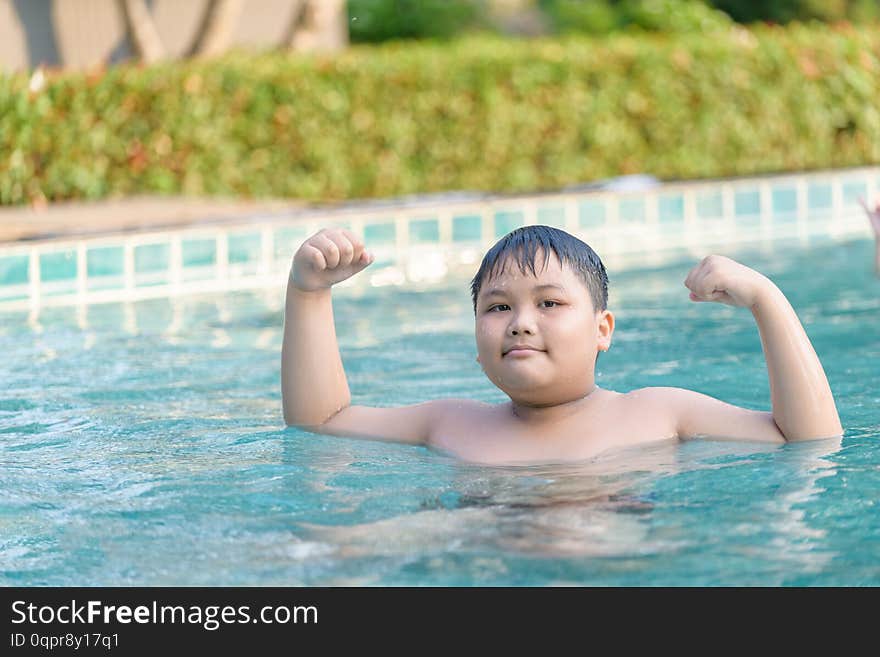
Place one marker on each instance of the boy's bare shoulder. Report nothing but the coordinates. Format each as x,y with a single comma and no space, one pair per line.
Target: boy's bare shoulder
654,407
654,395
455,420
450,408
659,400
664,398
456,414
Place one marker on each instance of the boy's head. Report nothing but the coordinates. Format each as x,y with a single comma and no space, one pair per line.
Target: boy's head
546,292
523,248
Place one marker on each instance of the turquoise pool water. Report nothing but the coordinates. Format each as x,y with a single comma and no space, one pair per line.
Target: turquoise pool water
142,444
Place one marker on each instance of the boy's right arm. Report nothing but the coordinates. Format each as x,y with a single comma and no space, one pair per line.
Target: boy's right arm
314,389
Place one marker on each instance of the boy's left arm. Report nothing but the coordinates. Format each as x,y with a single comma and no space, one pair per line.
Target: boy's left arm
803,406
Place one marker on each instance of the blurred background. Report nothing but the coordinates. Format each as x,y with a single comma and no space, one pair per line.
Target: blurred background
86,33
326,100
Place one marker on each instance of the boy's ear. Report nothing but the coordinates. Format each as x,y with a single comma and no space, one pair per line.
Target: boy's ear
606,330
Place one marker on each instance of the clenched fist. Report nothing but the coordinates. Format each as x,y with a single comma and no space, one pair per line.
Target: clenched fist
329,256
726,281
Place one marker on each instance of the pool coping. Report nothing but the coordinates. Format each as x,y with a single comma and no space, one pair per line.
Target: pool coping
634,221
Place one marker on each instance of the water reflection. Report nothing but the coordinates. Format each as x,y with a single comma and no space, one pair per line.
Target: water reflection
594,508
796,540
608,507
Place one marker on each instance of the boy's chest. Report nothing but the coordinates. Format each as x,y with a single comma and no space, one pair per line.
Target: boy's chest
488,439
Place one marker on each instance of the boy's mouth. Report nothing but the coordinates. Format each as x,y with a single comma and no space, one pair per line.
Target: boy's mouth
520,350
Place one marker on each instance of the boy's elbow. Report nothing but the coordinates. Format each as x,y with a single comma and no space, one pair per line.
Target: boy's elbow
308,421
310,427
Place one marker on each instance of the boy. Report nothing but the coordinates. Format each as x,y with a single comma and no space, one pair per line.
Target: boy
541,319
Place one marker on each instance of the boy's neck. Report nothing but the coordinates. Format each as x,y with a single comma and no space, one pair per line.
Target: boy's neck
538,413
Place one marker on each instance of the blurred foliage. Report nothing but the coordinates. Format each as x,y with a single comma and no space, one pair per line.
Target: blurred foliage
382,20
785,11
479,113
604,16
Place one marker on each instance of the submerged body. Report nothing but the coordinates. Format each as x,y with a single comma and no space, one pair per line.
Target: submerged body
540,323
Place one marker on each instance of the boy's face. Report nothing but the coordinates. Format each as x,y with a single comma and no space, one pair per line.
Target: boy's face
551,316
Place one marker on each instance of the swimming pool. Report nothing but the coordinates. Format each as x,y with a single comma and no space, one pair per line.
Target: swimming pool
142,444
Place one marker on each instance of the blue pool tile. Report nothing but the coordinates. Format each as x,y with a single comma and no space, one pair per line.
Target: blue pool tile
632,210
424,230
105,261
591,213
710,205
671,208
747,203
384,233
244,247
151,258
467,228
287,240
853,191
14,270
60,266
507,221
198,252
784,204
819,198
551,215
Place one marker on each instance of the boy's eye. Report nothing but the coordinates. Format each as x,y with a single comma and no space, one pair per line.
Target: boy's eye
499,307
549,304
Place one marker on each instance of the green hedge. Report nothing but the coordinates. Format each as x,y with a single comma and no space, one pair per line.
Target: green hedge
475,114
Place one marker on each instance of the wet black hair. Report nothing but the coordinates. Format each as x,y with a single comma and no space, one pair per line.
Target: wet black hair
521,247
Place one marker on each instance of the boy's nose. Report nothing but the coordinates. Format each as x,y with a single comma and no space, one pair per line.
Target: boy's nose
521,326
